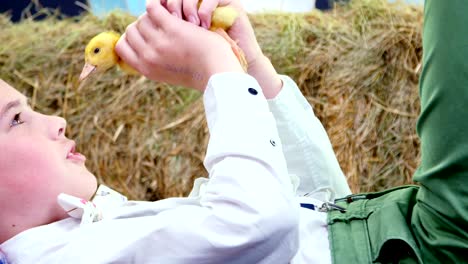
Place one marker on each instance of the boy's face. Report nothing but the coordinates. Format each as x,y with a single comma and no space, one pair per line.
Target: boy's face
37,161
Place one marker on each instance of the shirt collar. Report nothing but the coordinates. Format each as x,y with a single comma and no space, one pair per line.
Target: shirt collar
91,211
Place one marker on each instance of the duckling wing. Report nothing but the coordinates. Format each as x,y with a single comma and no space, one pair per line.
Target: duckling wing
127,68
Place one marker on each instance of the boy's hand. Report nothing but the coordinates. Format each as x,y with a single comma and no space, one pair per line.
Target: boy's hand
167,49
242,32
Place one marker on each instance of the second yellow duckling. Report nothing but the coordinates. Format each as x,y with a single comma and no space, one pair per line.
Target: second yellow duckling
101,56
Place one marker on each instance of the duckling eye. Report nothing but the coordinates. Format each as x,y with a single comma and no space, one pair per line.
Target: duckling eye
97,50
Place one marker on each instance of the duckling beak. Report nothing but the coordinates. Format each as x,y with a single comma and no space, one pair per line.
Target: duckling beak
87,70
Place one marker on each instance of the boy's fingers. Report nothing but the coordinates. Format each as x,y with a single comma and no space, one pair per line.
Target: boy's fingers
190,8
158,15
134,39
175,7
146,28
205,12
126,52
163,2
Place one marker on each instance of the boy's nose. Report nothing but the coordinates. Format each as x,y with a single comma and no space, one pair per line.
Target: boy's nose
57,128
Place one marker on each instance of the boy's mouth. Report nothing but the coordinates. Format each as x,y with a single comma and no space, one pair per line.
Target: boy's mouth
73,155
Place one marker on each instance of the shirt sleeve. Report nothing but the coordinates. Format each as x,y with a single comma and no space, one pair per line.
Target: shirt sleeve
306,146
247,213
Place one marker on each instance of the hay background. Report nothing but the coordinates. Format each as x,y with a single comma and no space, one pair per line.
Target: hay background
358,66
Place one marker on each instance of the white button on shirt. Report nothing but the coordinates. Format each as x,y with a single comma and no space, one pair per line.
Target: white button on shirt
247,212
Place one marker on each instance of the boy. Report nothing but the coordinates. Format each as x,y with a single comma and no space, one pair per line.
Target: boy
245,213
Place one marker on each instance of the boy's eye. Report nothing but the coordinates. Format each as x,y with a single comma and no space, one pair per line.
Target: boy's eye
16,120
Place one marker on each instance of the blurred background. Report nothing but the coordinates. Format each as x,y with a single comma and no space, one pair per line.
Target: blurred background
24,8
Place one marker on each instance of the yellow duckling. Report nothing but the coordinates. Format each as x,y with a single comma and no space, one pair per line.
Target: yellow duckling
101,56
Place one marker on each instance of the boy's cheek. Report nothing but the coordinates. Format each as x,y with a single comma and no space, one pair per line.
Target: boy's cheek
27,169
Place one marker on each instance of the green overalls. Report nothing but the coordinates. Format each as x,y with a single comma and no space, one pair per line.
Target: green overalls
426,224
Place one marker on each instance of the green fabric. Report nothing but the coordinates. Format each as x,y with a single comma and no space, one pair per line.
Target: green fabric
440,217
429,224
374,228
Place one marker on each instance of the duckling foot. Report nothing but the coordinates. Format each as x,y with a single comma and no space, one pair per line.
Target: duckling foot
235,48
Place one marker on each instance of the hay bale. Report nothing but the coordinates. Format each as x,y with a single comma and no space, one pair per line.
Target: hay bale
358,66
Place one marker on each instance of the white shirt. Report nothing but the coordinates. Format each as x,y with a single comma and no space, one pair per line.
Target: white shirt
247,212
